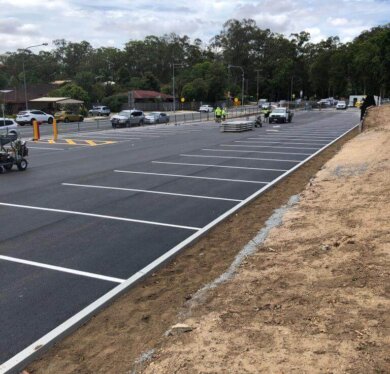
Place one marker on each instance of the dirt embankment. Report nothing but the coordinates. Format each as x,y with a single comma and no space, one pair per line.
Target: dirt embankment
313,298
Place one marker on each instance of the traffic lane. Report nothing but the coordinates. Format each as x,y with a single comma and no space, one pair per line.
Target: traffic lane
101,246
34,301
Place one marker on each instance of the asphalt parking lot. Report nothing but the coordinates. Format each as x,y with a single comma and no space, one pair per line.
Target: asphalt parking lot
92,209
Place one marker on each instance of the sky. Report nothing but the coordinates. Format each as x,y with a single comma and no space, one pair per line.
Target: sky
114,22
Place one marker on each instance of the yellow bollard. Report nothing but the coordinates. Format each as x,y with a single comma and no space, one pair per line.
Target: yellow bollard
55,130
36,130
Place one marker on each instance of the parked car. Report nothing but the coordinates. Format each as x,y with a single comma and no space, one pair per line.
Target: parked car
281,115
156,117
127,118
341,105
8,126
29,116
68,116
206,109
99,111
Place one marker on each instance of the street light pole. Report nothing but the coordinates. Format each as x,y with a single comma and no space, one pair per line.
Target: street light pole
24,71
4,92
173,84
243,81
257,85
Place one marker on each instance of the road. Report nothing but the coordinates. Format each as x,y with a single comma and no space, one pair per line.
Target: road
96,207
101,123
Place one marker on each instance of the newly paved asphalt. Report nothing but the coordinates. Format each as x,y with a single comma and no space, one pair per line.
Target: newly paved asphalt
109,202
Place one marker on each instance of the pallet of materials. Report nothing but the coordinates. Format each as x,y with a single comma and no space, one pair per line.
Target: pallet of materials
236,126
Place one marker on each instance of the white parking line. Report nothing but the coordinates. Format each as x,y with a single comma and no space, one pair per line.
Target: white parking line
266,142
216,166
100,216
242,158
190,176
251,151
47,149
61,269
272,146
292,140
303,137
149,191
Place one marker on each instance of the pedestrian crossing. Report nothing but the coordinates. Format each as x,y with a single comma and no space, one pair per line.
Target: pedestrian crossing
112,136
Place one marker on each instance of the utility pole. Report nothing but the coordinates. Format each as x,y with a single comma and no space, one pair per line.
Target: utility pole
257,84
173,84
243,81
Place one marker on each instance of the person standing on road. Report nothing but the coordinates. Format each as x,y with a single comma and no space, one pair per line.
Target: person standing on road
218,114
223,113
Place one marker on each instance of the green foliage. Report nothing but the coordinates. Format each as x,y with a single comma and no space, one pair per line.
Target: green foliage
115,102
274,66
71,90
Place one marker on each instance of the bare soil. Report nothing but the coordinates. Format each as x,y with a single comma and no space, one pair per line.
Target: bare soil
314,298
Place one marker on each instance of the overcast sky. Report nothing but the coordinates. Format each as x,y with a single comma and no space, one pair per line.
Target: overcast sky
114,22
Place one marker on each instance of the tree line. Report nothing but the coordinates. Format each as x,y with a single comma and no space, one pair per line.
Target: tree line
275,67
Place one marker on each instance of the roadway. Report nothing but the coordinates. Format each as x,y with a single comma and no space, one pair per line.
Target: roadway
96,207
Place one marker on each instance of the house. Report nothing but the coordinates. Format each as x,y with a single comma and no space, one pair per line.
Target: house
15,100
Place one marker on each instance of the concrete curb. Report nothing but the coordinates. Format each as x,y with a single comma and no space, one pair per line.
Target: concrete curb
23,358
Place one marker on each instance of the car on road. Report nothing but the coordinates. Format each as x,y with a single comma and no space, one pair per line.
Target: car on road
68,116
99,110
156,117
281,115
128,118
8,126
27,117
341,105
206,109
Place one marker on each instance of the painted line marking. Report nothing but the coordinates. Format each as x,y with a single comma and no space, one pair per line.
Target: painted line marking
101,137
70,141
91,142
149,191
216,166
259,146
251,151
272,136
265,142
288,140
242,158
62,269
100,216
267,146
47,149
190,176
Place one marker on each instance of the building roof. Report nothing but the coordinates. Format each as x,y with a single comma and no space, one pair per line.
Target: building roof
33,91
145,94
46,99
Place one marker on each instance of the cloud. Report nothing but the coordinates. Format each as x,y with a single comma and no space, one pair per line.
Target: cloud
113,23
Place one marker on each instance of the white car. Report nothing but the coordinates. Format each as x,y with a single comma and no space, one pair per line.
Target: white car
341,105
29,116
99,111
8,126
206,109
